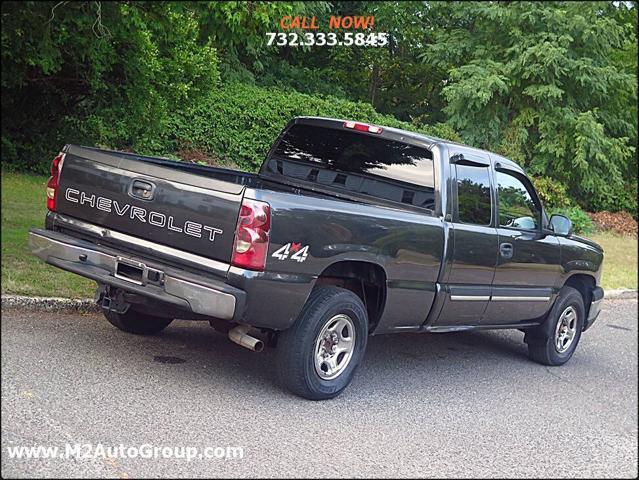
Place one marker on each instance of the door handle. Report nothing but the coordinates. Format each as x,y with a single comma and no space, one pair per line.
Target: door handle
506,250
142,189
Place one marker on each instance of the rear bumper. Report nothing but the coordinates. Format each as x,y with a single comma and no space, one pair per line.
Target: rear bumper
595,307
184,291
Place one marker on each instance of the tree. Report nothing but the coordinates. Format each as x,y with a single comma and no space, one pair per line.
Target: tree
97,73
550,85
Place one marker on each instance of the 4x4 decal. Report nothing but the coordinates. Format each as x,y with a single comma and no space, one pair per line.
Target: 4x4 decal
292,250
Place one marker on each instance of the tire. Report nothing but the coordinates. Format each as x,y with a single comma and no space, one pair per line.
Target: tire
136,322
546,343
335,314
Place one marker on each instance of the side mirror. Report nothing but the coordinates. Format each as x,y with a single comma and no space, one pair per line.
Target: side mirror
561,225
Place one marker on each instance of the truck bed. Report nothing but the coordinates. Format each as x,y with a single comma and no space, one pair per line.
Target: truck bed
190,207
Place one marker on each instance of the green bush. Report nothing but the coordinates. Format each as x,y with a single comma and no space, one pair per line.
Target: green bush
552,193
581,222
238,122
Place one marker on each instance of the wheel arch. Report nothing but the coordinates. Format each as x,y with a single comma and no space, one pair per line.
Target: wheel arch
584,284
366,279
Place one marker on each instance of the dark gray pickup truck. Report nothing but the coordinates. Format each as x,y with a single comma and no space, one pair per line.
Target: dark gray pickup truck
348,230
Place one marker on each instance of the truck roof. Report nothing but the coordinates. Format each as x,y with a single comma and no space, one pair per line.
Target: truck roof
419,137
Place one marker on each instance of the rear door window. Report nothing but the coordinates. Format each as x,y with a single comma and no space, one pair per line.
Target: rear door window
357,162
473,195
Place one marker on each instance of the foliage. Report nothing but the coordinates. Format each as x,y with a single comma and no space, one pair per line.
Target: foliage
238,30
392,79
238,122
96,73
581,222
552,193
551,85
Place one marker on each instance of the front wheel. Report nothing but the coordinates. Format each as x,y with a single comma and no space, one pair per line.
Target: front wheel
553,342
318,356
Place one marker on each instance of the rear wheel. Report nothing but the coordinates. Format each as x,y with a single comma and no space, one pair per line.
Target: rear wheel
135,322
554,342
318,356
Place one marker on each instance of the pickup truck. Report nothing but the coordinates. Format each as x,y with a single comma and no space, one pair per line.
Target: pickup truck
348,230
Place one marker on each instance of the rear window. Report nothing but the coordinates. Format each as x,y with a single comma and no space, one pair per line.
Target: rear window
356,162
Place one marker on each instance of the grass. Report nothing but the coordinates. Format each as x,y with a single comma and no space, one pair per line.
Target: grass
23,207
620,260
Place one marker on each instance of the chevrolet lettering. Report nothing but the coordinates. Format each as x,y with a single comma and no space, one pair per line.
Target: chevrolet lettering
140,214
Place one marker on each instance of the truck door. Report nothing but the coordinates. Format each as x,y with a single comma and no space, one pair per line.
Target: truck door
472,247
528,265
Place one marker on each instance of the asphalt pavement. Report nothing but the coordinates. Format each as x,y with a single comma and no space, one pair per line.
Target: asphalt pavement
436,405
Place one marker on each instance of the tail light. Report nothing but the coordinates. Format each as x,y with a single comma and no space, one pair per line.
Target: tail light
54,181
252,235
362,127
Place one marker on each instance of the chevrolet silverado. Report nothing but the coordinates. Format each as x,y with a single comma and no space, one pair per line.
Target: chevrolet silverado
348,230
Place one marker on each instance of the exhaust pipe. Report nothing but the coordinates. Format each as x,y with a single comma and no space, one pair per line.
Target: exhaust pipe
240,336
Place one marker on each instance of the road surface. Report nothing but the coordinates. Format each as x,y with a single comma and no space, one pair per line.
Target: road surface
444,405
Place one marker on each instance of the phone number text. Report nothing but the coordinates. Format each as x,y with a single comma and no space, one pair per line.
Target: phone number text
331,39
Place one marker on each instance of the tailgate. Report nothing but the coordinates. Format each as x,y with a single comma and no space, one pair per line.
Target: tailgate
154,202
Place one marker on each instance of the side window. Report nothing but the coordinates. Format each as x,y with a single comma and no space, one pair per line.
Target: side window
516,206
473,194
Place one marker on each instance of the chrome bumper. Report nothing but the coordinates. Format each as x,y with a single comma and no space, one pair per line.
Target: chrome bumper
88,260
